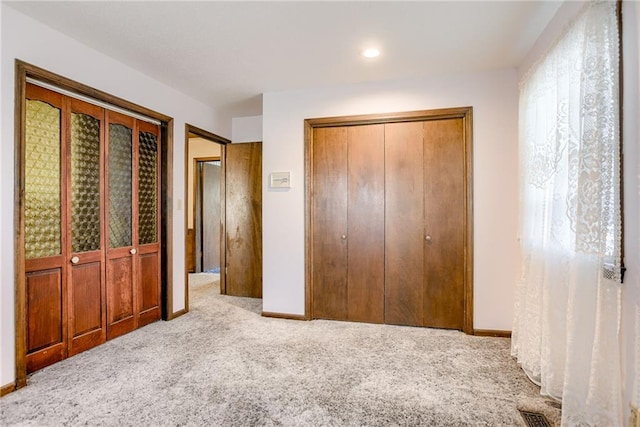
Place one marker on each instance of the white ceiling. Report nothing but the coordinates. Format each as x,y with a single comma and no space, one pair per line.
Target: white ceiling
228,53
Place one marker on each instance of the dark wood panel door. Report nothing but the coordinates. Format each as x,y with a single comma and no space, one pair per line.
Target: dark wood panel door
404,224
365,223
121,225
147,237
45,250
86,291
444,254
329,223
243,170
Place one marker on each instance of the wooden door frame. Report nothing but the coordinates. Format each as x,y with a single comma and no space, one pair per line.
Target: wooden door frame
464,113
24,70
201,133
197,179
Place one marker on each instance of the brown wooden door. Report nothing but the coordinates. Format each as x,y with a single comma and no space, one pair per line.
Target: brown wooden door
46,256
91,229
133,253
64,211
348,223
330,223
404,224
122,295
243,181
86,284
444,253
365,224
389,222
147,237
425,223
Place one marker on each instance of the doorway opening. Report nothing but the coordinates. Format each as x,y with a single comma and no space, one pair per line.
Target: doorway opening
206,216
223,224
205,222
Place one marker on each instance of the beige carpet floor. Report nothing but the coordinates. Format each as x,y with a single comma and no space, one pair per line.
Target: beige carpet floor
222,364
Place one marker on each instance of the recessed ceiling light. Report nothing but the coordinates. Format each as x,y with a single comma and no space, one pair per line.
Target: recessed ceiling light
370,53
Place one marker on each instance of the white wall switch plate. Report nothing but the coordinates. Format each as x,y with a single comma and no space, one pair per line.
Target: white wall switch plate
280,180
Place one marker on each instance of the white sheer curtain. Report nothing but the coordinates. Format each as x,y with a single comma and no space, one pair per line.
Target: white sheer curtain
566,326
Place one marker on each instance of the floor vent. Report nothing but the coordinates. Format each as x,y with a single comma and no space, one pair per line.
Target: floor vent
532,419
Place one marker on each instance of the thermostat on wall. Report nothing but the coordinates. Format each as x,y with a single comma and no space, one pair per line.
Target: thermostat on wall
280,180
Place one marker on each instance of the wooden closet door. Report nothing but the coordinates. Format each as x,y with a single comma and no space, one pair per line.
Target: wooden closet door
445,223
365,223
404,224
91,225
122,295
329,223
86,284
46,256
398,195
147,238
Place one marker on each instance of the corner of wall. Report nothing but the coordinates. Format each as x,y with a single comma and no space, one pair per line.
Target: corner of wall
246,129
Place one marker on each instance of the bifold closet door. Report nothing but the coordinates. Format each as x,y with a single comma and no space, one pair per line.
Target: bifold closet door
365,224
348,223
445,223
330,223
404,223
388,222
46,261
64,243
122,295
425,223
86,280
91,231
133,254
148,223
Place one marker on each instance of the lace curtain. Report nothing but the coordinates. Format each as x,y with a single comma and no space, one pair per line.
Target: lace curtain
567,313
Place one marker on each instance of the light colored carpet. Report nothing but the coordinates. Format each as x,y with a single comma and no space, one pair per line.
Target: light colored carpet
223,364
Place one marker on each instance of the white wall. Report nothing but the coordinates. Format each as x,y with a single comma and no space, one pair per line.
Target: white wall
30,41
494,98
246,129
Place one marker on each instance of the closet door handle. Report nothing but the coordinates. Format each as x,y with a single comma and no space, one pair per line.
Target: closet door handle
75,260
133,251
343,237
427,238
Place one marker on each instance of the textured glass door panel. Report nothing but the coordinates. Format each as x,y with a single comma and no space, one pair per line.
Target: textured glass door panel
148,189
85,182
42,180
120,185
